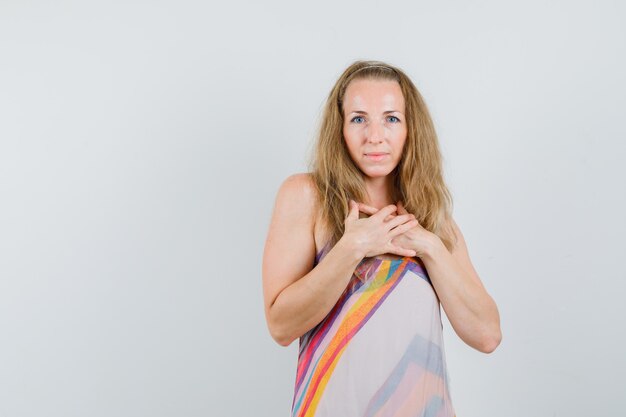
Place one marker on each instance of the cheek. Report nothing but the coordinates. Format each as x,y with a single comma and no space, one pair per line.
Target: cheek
402,131
402,136
349,137
401,144
348,129
352,149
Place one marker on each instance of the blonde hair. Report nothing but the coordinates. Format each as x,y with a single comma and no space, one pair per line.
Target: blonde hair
417,179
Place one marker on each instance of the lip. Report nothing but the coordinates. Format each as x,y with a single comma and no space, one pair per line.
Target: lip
376,156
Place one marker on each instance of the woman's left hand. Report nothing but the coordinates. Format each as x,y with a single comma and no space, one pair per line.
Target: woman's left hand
416,238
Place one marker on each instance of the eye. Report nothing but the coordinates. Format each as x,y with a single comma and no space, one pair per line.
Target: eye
356,117
394,117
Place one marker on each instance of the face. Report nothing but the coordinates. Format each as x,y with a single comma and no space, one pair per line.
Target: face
374,125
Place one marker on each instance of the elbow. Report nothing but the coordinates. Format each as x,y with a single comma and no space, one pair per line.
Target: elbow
278,333
284,342
491,334
280,338
491,342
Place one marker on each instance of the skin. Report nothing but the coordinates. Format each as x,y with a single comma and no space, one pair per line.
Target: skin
374,122
298,296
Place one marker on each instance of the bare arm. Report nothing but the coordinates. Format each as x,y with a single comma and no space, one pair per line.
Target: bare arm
305,303
472,312
298,296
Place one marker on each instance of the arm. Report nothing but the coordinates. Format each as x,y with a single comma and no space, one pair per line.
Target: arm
298,296
472,312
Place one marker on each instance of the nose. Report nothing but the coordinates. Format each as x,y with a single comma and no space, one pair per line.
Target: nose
375,132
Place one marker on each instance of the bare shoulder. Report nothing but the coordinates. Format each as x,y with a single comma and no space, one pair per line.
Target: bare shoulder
290,247
298,193
301,184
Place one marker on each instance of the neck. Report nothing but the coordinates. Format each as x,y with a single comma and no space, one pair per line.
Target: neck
379,191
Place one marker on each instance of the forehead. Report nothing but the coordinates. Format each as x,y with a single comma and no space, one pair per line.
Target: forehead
370,93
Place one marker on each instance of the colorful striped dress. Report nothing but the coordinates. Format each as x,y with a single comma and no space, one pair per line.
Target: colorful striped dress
379,351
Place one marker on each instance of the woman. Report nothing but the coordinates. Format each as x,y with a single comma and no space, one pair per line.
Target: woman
362,251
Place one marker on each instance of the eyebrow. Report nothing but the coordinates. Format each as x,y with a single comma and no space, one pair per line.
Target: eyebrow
385,112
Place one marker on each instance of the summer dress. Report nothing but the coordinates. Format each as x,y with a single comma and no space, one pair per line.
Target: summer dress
379,352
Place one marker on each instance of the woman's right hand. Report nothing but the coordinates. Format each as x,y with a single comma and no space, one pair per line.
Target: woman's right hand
373,235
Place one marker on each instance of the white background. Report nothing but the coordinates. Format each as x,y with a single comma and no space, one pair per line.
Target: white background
142,145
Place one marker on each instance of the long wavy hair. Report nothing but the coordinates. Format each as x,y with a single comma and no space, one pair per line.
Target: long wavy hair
417,179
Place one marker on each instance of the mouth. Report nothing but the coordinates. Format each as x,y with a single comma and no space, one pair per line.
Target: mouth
376,156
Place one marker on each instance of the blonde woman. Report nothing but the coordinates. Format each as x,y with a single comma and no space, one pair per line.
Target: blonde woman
362,251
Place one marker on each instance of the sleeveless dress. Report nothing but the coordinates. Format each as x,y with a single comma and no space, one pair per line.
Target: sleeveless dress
379,352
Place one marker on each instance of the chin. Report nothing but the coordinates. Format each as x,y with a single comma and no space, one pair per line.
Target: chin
377,172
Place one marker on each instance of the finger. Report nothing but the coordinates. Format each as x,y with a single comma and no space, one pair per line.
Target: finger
398,220
385,211
365,206
353,214
367,209
403,228
401,208
373,210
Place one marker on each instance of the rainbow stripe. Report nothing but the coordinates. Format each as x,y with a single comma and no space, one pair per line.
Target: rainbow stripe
311,390
418,380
